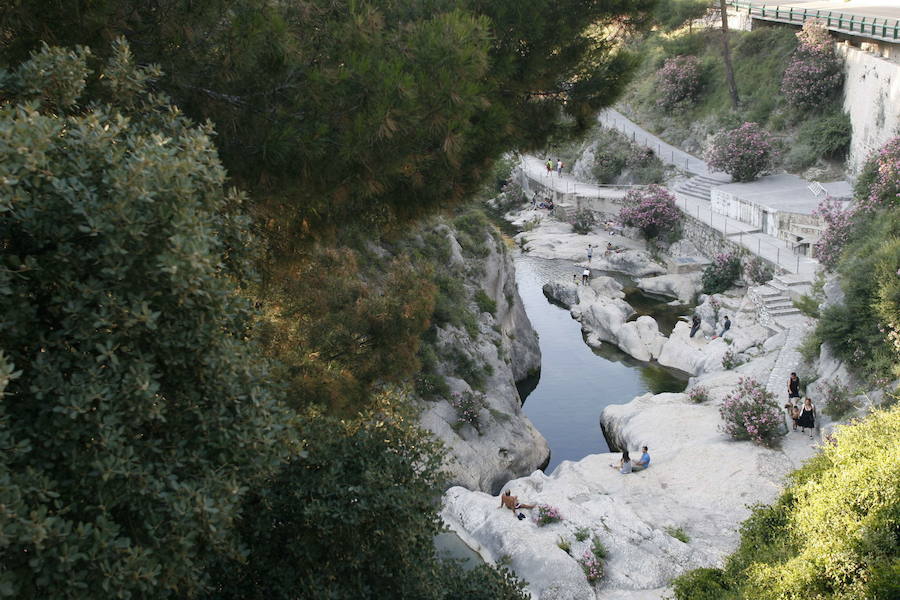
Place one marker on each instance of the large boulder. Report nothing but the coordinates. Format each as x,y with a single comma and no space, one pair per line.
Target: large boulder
681,286
564,293
636,263
641,338
605,317
607,286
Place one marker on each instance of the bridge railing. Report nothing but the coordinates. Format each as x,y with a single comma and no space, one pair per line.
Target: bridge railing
883,29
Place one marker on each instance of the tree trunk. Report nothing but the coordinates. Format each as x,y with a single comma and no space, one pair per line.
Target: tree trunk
726,57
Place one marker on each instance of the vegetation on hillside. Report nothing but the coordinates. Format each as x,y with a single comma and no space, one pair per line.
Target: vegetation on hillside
760,58
864,330
160,403
832,534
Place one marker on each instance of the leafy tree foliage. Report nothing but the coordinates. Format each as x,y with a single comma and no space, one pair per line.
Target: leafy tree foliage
339,327
136,414
362,110
352,516
832,534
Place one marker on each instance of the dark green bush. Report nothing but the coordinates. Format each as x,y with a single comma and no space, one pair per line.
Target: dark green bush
584,221
721,273
827,135
485,303
700,584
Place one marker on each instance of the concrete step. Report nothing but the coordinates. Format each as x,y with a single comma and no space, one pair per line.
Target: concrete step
693,194
781,312
793,279
778,304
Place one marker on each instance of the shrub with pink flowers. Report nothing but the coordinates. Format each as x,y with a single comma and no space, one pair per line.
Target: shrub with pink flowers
750,413
839,223
878,186
592,566
679,82
814,74
652,210
698,394
743,153
545,515
720,274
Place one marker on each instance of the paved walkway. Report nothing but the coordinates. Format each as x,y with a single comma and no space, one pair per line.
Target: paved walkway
774,250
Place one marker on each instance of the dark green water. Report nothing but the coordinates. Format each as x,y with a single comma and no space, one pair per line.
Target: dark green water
577,382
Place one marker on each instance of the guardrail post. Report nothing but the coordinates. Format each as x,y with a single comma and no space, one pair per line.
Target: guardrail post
798,264
778,256
759,246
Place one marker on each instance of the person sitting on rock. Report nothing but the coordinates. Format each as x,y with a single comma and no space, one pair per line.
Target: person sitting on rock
644,461
609,248
512,502
624,465
725,327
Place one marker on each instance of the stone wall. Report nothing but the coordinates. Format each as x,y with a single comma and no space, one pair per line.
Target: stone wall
872,98
711,241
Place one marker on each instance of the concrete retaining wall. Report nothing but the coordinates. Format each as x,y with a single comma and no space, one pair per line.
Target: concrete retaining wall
872,98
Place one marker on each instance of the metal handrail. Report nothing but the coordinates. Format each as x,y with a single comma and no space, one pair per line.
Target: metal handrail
873,27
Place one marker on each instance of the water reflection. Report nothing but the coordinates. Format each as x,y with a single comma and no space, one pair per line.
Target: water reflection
577,382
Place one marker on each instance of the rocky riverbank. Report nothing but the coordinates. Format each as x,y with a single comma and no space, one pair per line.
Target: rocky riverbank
685,510
503,443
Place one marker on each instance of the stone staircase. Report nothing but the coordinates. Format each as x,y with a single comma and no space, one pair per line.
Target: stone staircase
699,187
775,300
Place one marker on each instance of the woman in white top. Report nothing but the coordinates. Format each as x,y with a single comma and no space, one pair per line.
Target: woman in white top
624,465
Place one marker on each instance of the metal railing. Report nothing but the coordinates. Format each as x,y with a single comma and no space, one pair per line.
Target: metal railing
884,29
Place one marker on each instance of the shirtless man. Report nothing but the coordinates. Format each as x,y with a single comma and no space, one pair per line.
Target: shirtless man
512,502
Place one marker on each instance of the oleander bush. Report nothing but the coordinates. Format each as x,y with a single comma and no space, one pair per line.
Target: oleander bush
698,394
721,274
751,413
652,210
545,515
837,399
468,407
744,152
583,222
814,75
679,82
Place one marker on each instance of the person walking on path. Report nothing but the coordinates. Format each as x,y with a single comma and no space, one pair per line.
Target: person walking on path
695,324
807,419
559,167
793,386
549,166
585,276
590,253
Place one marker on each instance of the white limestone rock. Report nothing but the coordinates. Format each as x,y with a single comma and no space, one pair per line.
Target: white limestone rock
605,317
607,286
682,352
565,293
682,286
507,444
631,262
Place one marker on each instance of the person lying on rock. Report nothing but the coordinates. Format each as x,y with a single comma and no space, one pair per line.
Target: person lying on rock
512,502
624,465
644,461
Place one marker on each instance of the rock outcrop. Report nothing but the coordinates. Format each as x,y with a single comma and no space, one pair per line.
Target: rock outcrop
505,350
699,481
682,287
